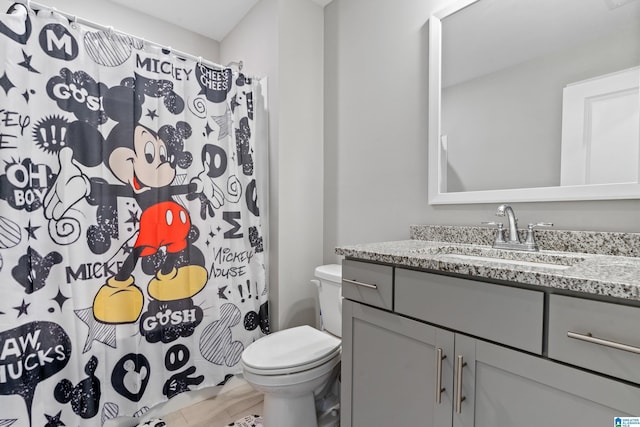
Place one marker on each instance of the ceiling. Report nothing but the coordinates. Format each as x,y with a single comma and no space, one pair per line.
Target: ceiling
210,18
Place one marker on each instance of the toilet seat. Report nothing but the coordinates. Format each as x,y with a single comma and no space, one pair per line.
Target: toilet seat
290,351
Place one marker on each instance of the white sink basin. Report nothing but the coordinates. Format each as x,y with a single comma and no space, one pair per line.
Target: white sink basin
469,254
472,258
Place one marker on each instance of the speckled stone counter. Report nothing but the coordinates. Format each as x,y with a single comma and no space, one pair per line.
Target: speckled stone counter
596,263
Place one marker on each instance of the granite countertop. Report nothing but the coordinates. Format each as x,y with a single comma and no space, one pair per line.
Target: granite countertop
589,262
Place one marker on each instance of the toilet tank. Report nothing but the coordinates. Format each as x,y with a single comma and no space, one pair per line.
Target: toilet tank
329,282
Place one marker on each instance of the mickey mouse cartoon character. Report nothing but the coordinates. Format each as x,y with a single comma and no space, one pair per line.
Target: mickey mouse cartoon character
145,162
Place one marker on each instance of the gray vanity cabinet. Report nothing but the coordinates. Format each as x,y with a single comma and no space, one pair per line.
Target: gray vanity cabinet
506,387
389,370
402,364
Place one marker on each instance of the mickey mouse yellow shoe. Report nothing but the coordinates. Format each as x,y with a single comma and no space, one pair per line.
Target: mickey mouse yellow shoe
180,283
118,301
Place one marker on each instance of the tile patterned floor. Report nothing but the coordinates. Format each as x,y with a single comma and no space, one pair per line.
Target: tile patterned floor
236,400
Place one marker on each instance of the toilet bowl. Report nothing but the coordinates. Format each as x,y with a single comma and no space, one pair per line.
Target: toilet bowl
296,367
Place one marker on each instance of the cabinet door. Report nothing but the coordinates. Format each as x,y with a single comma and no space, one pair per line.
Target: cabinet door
389,370
504,387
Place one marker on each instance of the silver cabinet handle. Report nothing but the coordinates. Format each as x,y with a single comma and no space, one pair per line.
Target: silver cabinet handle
440,356
594,340
459,397
361,284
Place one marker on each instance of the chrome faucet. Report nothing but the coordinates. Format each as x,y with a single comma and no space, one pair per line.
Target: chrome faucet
513,223
514,242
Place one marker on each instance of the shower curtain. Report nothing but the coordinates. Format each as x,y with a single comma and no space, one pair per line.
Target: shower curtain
131,247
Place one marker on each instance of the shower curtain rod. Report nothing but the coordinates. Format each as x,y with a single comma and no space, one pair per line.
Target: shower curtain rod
32,6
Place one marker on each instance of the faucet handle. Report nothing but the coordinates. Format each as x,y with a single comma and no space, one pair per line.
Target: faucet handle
531,241
499,232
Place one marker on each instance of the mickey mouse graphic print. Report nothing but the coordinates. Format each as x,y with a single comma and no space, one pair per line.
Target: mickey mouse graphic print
131,249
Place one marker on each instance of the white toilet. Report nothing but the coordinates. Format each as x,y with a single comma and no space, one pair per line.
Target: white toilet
297,368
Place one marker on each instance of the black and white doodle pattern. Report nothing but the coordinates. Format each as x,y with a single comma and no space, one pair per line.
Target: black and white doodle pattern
10,234
176,357
131,375
54,420
249,421
109,49
154,422
217,343
131,245
33,269
110,411
31,354
181,382
20,37
85,396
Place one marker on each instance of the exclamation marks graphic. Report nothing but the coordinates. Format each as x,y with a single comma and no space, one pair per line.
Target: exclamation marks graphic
44,136
241,291
248,288
50,133
241,295
63,134
54,134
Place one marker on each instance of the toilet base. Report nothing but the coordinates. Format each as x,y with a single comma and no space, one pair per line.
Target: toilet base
290,393
289,411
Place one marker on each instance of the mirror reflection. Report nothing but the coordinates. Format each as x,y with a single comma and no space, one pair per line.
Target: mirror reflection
540,93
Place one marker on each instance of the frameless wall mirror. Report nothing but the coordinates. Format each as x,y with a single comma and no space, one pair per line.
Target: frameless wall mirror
534,100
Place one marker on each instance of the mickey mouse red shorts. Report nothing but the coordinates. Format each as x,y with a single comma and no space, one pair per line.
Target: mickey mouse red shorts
164,224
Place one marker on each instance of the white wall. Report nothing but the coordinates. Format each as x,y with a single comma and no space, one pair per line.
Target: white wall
138,24
300,159
375,119
376,71
283,40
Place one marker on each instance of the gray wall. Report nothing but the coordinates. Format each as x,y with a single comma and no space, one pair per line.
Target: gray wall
283,40
376,134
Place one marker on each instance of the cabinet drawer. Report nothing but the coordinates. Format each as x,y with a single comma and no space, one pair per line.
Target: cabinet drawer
368,283
503,314
608,324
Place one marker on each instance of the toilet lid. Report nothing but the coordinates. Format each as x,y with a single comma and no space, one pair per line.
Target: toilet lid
290,348
331,272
